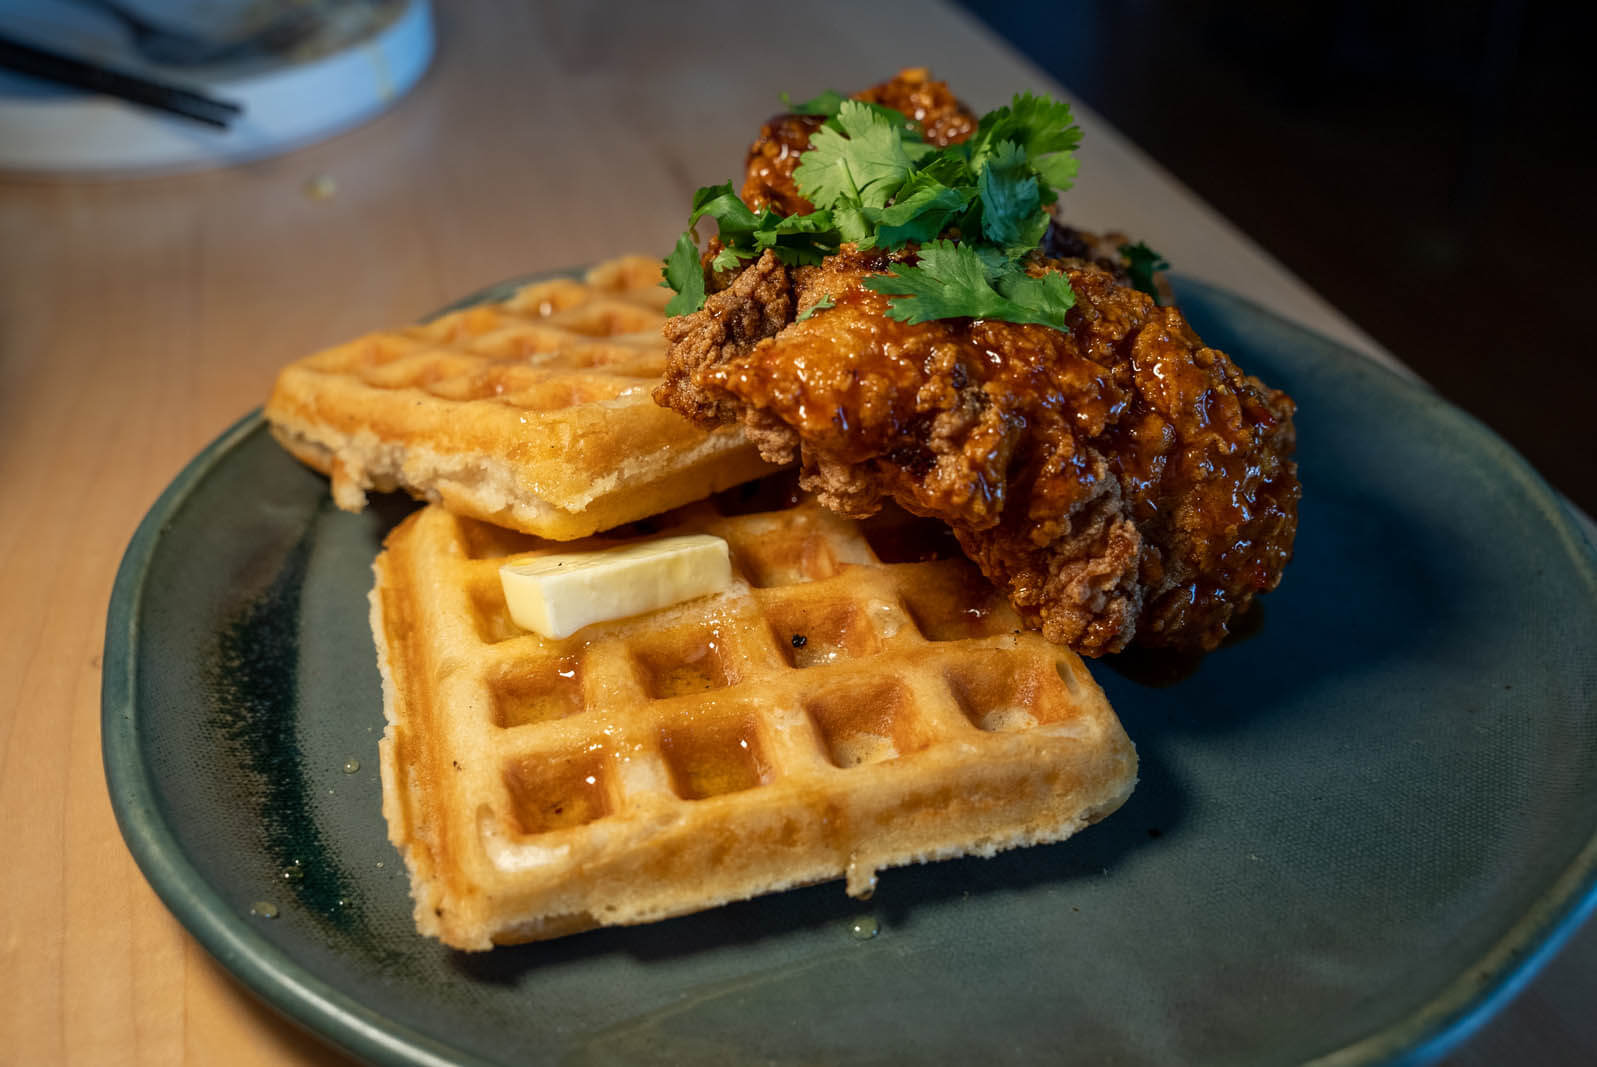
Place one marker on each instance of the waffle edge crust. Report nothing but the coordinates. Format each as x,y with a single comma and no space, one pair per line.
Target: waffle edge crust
532,413
702,754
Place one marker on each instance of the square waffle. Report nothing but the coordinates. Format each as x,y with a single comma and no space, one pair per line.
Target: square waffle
533,412
848,704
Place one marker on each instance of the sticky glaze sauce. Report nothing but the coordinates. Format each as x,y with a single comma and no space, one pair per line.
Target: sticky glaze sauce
952,418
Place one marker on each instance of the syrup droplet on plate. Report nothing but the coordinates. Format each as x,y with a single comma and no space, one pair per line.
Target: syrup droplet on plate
864,929
264,908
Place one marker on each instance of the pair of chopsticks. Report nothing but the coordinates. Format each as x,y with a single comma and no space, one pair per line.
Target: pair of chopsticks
65,70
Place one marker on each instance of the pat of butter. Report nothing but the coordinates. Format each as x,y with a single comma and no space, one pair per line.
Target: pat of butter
557,595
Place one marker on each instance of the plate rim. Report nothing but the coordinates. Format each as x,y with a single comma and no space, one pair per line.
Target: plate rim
1429,1032
265,970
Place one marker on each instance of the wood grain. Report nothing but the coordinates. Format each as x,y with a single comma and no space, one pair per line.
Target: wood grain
139,318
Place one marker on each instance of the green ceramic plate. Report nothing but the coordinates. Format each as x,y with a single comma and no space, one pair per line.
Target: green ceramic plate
1358,828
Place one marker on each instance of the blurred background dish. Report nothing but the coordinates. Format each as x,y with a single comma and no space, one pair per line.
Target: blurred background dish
300,71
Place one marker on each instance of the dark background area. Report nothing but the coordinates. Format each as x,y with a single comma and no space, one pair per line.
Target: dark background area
1429,168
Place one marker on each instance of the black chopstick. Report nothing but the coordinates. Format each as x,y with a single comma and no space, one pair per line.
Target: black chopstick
52,66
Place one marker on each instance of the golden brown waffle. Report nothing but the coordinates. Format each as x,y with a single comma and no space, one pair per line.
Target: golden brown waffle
704,753
533,413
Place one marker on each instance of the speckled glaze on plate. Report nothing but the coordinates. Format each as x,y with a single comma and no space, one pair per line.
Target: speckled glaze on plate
1359,826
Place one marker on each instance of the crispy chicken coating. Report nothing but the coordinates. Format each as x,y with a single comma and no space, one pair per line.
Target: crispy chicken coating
1120,480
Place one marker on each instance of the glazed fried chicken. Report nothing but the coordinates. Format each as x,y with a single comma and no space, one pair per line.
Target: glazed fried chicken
1121,480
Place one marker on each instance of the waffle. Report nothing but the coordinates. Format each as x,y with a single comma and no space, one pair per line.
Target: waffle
533,412
847,705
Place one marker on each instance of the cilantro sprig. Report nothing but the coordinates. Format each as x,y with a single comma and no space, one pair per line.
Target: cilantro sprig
975,210
955,280
683,274
1142,263
863,161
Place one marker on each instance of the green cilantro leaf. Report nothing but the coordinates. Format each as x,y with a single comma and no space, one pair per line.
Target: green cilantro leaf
864,160
952,281
948,282
1142,263
1012,215
993,261
1050,294
1043,128
854,223
1048,124
720,202
820,305
797,239
683,273
922,209
730,257
949,167
1058,172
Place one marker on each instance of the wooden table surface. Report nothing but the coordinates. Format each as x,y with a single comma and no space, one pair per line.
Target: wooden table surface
140,318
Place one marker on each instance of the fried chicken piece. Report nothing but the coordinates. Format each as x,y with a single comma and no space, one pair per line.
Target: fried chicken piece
913,93
768,170
1120,480
775,153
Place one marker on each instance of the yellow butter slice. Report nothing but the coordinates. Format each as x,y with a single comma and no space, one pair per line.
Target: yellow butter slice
559,594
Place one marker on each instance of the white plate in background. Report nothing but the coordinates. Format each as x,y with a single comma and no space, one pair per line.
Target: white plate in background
364,55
